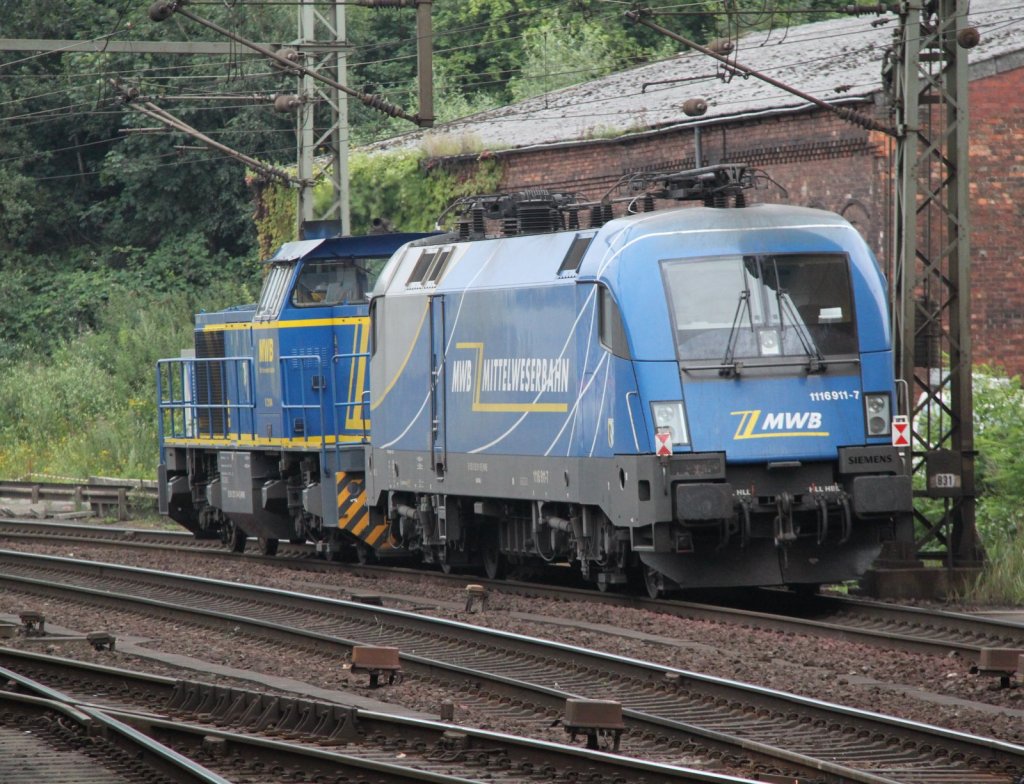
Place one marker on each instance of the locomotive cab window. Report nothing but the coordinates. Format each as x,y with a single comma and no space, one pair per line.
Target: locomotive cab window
747,307
333,282
272,295
610,329
375,306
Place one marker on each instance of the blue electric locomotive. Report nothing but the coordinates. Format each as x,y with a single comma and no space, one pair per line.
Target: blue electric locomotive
695,397
688,397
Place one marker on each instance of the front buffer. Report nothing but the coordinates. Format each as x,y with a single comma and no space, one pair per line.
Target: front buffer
785,522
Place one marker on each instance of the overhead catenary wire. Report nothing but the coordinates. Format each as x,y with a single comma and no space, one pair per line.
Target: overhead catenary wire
725,102
161,11
218,76
103,37
56,113
846,114
678,7
179,161
438,35
152,110
456,31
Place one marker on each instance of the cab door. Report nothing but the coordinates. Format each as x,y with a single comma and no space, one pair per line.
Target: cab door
438,385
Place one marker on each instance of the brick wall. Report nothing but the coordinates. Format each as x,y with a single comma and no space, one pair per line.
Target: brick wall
818,160
815,160
997,219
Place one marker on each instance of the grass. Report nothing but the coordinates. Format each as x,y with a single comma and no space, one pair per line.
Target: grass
89,408
444,145
1002,582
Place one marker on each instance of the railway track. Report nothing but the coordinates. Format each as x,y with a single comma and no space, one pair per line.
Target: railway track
47,737
104,497
668,706
292,734
889,626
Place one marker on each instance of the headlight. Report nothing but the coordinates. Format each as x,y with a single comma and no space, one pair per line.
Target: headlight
671,415
879,416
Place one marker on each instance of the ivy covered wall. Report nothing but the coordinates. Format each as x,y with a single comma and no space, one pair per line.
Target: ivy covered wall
407,188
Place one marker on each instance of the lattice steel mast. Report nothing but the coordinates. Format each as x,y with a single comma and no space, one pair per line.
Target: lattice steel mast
322,39
311,60
928,84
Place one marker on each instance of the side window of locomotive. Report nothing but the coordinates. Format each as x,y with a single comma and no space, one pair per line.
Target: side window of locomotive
272,295
430,266
420,268
323,283
574,256
375,306
610,329
436,270
373,266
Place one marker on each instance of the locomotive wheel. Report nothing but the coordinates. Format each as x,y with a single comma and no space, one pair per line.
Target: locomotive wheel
298,540
443,557
652,581
365,554
494,562
236,538
268,546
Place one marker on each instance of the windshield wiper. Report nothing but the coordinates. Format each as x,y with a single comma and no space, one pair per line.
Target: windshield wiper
815,359
729,367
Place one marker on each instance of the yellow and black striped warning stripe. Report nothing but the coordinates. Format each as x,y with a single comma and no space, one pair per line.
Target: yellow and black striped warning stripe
354,516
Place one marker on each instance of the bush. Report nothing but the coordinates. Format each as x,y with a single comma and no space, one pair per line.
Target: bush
402,187
999,483
90,407
999,435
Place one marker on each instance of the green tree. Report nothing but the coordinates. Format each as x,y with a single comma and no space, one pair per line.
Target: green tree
85,206
88,203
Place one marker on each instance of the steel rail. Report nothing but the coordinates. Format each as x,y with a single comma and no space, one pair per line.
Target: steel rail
565,762
540,665
142,732
149,752
922,630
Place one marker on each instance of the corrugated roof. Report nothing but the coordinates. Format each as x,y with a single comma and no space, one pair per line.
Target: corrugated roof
837,60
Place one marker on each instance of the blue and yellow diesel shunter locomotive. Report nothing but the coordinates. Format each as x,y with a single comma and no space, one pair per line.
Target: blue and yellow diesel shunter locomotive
695,397
263,426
